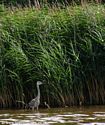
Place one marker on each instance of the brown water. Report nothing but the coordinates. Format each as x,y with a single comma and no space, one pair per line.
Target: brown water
94,115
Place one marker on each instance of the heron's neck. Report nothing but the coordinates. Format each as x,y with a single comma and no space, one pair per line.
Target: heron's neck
38,91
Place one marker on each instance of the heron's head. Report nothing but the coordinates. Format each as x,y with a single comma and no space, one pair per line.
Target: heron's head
39,83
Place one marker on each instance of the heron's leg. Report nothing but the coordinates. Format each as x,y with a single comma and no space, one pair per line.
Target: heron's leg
37,108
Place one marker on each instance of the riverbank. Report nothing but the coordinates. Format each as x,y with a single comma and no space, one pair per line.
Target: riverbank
71,115
62,47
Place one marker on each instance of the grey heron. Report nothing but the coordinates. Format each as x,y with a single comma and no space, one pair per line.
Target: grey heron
34,103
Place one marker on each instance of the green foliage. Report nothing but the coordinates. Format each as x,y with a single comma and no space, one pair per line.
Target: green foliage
65,48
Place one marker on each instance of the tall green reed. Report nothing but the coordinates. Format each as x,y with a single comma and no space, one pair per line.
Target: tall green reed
62,47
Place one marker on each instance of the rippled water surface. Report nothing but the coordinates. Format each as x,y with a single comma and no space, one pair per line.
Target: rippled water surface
94,115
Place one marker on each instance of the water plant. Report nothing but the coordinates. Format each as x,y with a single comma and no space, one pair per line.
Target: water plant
65,47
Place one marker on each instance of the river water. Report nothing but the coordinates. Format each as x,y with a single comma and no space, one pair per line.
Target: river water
94,115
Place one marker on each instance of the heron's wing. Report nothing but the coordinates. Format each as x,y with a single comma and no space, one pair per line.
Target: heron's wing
34,102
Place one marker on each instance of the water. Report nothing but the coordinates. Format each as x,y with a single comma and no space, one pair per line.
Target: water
94,115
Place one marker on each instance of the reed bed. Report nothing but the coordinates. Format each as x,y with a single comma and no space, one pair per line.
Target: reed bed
62,47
